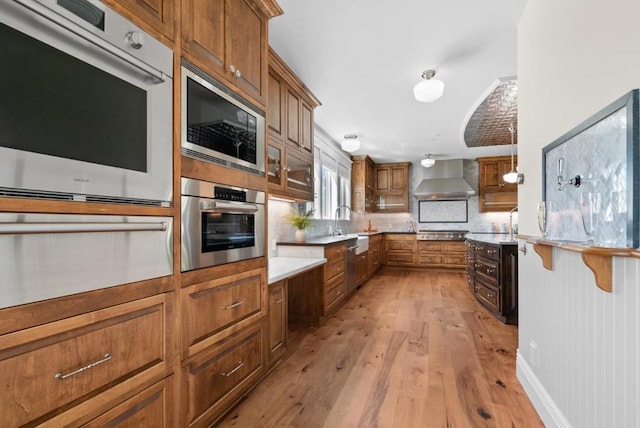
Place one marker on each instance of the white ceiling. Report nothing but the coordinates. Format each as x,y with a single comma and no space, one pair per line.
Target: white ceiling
361,58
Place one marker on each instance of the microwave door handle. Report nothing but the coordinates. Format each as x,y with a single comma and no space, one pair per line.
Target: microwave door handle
93,39
227,207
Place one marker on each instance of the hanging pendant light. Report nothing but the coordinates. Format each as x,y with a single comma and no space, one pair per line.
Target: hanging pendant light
428,162
350,143
429,89
512,176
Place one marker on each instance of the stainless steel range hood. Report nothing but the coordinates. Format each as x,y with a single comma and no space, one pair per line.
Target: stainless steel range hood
444,181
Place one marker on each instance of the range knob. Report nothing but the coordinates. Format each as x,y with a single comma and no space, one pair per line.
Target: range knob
135,39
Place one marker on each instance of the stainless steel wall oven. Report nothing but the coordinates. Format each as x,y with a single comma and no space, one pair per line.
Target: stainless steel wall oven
218,126
220,224
86,105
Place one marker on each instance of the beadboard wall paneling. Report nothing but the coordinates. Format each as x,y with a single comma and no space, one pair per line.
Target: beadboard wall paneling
588,341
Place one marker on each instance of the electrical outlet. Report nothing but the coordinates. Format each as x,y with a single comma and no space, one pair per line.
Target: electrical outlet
534,354
274,244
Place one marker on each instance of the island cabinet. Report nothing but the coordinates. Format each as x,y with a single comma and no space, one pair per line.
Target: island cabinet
492,275
442,254
155,15
400,249
315,295
392,187
290,128
112,363
228,39
362,184
494,193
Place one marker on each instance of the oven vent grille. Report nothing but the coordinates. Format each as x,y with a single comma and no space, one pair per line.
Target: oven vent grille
212,159
57,196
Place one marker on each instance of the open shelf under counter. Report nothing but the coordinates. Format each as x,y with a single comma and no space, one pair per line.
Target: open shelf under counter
597,259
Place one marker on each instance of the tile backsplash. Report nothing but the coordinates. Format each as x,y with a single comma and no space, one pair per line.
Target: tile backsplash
599,155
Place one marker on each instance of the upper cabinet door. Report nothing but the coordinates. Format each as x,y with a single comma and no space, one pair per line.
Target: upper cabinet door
228,39
293,118
247,47
157,14
275,106
306,130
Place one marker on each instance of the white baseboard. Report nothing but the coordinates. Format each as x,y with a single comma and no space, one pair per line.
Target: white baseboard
540,398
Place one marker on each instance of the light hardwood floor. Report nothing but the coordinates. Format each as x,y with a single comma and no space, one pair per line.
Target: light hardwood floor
409,349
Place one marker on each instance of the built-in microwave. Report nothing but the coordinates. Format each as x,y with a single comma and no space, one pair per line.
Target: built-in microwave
85,105
219,126
220,224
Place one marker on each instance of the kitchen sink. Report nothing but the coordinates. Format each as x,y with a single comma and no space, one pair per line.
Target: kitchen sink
362,244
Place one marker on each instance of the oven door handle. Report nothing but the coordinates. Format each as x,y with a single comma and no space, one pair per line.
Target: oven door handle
35,228
227,207
93,39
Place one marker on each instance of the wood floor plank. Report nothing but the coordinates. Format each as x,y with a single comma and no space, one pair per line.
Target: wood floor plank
409,349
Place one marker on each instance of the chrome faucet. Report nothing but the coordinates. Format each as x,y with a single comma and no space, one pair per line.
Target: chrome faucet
511,232
336,229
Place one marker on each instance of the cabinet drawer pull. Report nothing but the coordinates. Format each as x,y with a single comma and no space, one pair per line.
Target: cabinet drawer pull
235,369
277,302
61,376
491,251
234,305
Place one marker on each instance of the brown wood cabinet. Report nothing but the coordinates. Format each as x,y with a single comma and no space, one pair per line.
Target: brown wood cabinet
153,407
400,249
362,184
494,193
217,377
362,268
228,39
69,368
442,254
216,309
290,107
157,15
492,275
375,254
392,187
277,320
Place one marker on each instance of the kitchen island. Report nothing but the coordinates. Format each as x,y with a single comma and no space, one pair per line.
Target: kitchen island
492,273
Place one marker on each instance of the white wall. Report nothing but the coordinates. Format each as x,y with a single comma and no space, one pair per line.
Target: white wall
574,58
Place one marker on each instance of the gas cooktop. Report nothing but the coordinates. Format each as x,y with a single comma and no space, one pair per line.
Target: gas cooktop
441,235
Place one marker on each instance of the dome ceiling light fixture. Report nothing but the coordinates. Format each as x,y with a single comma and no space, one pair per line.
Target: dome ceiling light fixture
350,143
428,161
429,89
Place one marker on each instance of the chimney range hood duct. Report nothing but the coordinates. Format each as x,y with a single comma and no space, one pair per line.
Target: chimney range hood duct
444,181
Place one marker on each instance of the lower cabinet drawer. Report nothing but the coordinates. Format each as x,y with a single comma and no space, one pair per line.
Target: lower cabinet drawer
487,295
430,259
213,380
334,291
334,267
400,258
51,368
454,260
153,407
216,308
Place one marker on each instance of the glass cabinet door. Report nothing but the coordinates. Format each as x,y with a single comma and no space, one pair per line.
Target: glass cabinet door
274,165
299,173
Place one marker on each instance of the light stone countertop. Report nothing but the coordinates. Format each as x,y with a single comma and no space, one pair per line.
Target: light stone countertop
285,267
493,238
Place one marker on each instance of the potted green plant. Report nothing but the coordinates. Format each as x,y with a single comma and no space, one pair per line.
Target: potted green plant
301,221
